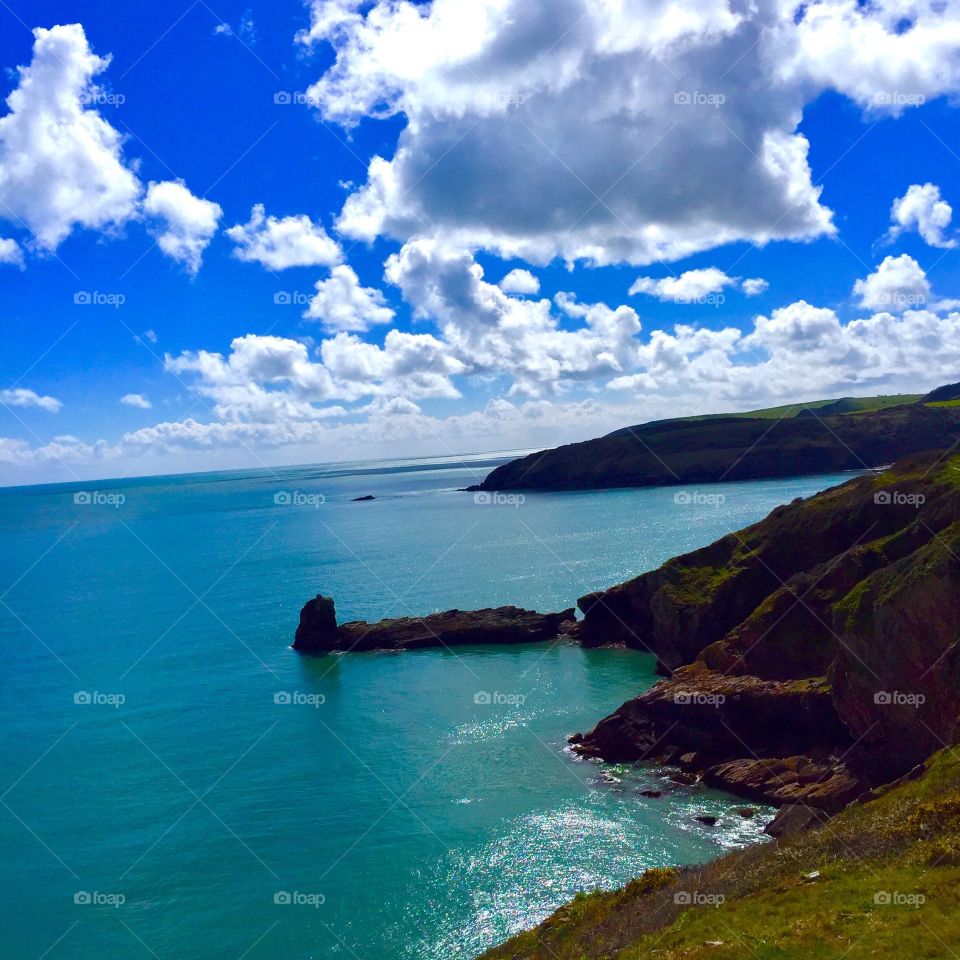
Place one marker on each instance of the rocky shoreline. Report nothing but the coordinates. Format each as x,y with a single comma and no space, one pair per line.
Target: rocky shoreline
808,658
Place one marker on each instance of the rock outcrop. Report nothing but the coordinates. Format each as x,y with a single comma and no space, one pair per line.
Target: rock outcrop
810,656
319,632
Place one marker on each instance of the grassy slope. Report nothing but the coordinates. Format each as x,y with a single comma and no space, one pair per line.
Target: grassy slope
849,405
887,886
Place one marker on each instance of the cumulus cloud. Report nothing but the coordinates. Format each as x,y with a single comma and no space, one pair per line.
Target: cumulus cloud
136,400
610,130
494,333
754,286
520,281
184,224
280,243
20,397
922,209
61,163
898,284
342,303
10,252
690,287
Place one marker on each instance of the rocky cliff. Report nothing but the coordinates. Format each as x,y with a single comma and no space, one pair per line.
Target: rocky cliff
811,655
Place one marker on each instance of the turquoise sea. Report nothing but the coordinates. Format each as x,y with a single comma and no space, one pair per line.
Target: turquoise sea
178,783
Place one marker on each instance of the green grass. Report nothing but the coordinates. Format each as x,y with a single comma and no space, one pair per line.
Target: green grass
849,405
820,894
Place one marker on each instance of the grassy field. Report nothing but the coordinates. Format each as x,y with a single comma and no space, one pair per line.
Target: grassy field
825,407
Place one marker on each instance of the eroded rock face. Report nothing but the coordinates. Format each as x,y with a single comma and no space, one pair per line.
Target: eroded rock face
318,631
812,655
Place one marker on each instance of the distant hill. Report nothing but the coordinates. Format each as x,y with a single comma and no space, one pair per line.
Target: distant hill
825,436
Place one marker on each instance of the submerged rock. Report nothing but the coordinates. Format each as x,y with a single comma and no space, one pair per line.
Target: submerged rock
319,633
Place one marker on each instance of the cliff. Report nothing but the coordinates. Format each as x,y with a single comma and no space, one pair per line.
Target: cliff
798,440
811,655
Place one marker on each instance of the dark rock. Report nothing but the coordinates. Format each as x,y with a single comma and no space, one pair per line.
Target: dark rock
748,813
318,626
369,496
706,819
652,794
794,818
318,632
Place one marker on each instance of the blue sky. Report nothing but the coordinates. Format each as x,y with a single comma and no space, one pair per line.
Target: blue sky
192,93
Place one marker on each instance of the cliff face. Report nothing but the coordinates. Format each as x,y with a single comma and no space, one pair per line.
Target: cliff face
812,654
714,449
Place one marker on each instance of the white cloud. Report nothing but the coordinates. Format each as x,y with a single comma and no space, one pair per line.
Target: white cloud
10,252
520,281
922,209
136,400
61,164
341,303
185,224
277,244
611,130
493,333
754,286
898,284
19,397
690,287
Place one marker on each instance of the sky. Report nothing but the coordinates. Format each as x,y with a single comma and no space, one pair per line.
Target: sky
272,233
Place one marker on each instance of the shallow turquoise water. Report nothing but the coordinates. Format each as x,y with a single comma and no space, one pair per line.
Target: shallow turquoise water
399,816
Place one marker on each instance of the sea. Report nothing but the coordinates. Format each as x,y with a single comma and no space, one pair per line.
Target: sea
177,782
